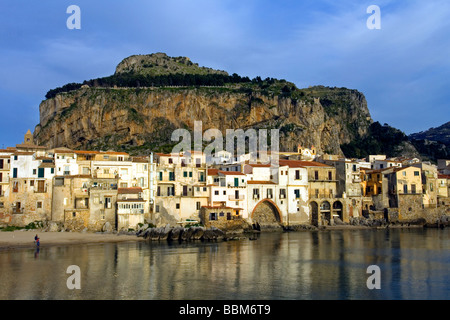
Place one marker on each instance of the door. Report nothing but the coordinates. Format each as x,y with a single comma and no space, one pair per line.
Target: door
236,194
236,182
40,172
184,191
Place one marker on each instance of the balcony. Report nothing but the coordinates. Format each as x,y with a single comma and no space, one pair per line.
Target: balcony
238,198
322,195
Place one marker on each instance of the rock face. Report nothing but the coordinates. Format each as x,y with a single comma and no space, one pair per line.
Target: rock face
92,118
138,120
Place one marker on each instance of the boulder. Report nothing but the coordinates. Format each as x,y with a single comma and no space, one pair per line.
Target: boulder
187,234
197,233
176,233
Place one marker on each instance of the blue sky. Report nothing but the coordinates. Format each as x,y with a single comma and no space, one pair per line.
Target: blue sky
403,69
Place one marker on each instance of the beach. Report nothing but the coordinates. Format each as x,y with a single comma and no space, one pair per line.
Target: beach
25,239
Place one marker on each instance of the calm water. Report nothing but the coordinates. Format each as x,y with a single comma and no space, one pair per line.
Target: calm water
414,264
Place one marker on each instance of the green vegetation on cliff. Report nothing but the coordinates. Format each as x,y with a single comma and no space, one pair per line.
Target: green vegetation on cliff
380,140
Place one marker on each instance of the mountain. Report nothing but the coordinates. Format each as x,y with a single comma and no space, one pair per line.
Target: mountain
149,96
440,134
434,143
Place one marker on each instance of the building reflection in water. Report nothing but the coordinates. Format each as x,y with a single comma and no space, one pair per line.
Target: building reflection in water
298,265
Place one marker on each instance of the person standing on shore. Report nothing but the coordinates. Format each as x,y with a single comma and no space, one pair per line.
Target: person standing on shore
36,240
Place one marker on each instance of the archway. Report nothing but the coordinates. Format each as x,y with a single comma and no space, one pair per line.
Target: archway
266,212
325,211
314,209
337,210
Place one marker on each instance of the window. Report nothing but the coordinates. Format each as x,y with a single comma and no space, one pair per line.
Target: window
269,193
171,176
416,173
177,206
316,175
108,203
120,158
52,170
198,205
297,193
413,188
212,216
224,193
34,171
431,187
330,175
190,174
124,171
157,208
170,160
158,191
124,185
15,157
14,172
282,193
16,186
405,188
160,176
297,175
185,174
216,192
39,205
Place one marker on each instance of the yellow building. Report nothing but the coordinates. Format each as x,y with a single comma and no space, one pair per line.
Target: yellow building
405,190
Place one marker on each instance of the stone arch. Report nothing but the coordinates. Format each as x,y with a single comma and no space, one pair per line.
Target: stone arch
325,212
314,210
266,212
337,210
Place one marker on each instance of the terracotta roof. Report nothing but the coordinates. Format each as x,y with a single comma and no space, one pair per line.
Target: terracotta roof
46,165
213,172
302,163
86,152
443,176
232,173
133,190
63,150
260,182
23,153
116,153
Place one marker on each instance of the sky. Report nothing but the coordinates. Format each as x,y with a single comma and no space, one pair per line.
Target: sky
402,68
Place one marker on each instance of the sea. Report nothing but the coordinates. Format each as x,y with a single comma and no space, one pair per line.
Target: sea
368,264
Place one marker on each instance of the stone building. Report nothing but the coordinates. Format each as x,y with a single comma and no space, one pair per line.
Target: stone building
405,190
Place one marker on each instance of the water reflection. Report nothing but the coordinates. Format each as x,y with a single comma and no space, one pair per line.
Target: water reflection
297,265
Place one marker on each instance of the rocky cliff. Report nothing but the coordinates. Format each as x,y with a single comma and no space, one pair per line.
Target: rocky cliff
141,119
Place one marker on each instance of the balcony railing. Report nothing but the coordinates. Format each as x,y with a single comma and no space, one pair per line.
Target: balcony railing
238,198
322,195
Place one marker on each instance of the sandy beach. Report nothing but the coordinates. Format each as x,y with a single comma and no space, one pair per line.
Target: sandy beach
25,239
